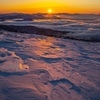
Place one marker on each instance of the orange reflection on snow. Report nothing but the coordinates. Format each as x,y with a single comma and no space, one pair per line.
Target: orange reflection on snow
46,47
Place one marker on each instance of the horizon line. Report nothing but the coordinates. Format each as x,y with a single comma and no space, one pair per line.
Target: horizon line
52,13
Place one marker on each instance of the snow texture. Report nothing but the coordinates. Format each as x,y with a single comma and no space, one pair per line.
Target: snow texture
10,63
35,67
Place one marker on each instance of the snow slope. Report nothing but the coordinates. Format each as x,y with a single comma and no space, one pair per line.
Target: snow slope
35,67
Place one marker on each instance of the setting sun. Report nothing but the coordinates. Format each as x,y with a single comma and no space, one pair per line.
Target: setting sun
44,6
49,10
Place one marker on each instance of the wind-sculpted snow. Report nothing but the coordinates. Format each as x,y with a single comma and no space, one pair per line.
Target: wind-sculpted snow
37,67
10,63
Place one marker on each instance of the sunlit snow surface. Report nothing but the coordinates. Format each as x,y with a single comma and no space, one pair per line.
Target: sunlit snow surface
44,68
10,63
79,27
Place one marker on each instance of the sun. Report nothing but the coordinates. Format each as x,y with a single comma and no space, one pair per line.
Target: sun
49,11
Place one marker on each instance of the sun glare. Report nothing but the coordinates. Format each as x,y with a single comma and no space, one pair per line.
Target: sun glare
49,10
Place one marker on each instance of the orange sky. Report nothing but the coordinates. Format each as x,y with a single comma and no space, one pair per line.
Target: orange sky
58,6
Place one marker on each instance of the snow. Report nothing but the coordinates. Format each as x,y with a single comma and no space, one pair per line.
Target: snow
35,67
10,63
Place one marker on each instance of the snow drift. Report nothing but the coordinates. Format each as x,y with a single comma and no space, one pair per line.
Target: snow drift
11,63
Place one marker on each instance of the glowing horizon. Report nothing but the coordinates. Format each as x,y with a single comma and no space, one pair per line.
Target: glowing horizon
58,6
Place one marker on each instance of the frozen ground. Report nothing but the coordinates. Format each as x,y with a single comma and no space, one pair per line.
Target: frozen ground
45,68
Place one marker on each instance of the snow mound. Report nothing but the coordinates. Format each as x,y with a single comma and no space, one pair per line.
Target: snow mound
11,63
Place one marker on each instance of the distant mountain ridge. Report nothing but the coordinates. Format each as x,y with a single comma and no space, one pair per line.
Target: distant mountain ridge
30,17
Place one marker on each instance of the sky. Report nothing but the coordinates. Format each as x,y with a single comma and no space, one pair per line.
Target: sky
57,6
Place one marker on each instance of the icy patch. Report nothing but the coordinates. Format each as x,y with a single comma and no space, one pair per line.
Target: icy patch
11,63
